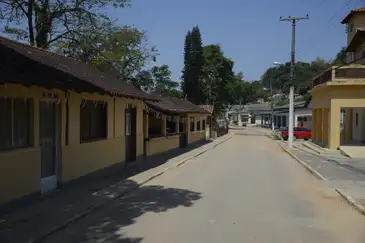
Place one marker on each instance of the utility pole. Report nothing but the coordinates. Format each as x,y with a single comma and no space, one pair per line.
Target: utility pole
293,20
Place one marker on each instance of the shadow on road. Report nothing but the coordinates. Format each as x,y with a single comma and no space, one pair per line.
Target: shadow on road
106,225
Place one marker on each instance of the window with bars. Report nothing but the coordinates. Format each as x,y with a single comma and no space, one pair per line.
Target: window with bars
16,123
93,121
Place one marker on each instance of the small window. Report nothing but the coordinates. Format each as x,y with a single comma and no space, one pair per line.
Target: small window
93,121
198,125
192,126
170,127
356,119
203,125
351,27
154,126
16,123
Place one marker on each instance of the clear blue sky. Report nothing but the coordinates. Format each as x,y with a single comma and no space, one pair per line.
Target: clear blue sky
249,31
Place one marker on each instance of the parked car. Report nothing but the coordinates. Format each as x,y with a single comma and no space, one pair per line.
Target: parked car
298,133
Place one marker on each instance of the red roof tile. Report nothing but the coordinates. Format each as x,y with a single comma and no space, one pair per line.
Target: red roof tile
349,16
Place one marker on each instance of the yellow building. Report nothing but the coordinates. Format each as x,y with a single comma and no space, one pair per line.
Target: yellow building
61,119
172,123
341,89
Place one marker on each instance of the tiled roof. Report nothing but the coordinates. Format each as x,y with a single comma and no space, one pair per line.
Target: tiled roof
258,107
175,105
208,108
348,17
76,69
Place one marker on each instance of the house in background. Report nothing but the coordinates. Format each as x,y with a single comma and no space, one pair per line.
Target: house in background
302,114
251,114
342,88
172,123
259,114
62,119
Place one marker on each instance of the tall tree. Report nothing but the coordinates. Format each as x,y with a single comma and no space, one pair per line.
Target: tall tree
217,73
197,63
186,83
193,67
43,22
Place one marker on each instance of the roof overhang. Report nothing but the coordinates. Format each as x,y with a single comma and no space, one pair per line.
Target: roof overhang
356,40
349,16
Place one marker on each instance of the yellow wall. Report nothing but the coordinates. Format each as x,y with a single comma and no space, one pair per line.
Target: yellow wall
358,21
329,100
162,144
20,173
196,135
76,159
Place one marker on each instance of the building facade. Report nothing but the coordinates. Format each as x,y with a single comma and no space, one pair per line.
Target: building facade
62,120
341,89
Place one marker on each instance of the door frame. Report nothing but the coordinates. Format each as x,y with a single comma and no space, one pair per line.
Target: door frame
50,183
131,155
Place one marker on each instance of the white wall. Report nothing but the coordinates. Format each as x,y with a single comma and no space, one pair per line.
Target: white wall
258,120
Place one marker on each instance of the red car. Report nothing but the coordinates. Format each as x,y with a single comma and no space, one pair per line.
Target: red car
299,133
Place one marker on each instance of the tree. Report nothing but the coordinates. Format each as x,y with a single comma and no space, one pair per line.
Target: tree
162,81
121,51
143,81
238,91
43,22
186,83
340,57
193,66
217,73
279,76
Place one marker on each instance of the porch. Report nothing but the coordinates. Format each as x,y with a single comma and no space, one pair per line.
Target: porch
338,103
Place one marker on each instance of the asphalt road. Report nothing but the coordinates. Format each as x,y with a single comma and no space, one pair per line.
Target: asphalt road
245,190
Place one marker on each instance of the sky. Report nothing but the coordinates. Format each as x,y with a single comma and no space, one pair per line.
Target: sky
249,31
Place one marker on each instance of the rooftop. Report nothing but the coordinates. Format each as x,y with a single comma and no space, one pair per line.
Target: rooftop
349,16
175,105
67,71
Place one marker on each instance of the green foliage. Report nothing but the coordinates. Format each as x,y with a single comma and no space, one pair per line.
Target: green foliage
340,58
44,22
217,73
242,92
121,51
193,67
279,76
158,78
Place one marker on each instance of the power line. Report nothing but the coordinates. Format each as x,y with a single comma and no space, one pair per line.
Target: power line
330,24
293,21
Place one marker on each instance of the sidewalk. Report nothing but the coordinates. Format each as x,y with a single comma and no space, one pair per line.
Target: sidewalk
345,175
35,222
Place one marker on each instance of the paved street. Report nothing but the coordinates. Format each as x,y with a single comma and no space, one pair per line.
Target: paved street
245,190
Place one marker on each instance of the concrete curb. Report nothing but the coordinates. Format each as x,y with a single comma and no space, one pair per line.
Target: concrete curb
351,201
305,165
196,155
122,194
